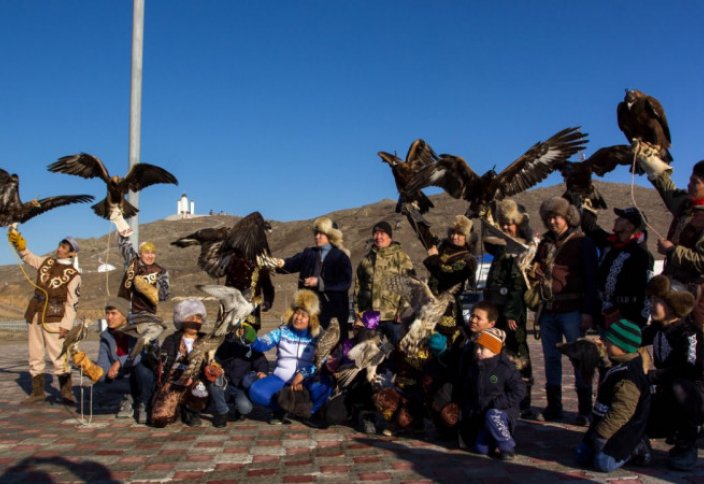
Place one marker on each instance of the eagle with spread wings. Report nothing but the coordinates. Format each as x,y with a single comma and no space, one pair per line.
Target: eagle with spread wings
453,174
642,117
233,253
13,210
140,176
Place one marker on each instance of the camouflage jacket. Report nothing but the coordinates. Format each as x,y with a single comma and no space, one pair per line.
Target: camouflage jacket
369,292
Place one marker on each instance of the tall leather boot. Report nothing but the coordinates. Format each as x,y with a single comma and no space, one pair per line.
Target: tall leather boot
584,406
554,409
66,389
38,394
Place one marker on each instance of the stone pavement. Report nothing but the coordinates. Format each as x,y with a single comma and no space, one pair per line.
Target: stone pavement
48,443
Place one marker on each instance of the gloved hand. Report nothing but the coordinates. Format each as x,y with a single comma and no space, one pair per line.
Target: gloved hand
16,239
90,369
649,159
151,292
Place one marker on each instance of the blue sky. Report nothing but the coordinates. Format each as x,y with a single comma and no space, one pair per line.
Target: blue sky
281,107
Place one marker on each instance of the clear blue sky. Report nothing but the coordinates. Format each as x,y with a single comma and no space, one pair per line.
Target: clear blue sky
281,106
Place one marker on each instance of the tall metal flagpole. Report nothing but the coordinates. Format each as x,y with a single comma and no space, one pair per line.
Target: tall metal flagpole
136,105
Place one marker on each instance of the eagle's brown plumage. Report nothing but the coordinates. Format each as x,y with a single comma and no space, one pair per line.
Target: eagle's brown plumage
642,117
140,176
453,174
13,210
419,156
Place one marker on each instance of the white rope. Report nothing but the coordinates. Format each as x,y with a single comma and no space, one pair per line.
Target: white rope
82,422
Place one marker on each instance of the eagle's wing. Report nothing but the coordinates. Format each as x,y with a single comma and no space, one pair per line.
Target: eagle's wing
420,154
32,209
8,189
81,164
210,240
656,110
326,342
606,159
248,237
409,288
451,173
143,175
538,162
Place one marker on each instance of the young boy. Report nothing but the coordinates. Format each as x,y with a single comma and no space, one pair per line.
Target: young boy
620,414
490,393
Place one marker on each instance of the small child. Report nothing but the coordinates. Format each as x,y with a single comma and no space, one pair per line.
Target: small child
490,393
620,414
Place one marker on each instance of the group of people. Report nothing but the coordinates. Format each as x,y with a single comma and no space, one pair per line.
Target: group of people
472,376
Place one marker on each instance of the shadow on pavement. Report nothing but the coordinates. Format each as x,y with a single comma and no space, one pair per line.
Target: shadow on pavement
40,469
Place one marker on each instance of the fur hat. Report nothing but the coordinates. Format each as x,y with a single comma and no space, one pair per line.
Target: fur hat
463,226
563,208
122,306
676,296
306,300
325,225
186,308
508,212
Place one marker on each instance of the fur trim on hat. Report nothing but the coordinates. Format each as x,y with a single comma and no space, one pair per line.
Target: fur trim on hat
326,226
563,208
463,226
306,300
507,212
678,299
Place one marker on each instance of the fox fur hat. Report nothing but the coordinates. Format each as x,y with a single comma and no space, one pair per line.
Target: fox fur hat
563,208
508,212
462,225
306,300
676,296
325,225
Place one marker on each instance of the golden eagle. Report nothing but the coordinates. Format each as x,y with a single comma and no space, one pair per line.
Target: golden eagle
140,176
13,210
453,174
642,117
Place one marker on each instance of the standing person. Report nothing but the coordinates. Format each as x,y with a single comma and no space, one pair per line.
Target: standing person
625,266
135,382
622,407
678,353
145,282
565,266
505,286
683,247
450,264
325,269
385,257
51,312
490,394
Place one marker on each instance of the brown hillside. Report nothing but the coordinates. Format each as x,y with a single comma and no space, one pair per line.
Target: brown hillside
286,239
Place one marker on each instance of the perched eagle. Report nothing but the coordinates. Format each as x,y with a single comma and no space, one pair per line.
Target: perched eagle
456,177
326,342
75,335
12,210
232,253
140,176
419,156
642,117
578,175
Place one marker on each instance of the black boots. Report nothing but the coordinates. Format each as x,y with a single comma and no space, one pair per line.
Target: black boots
37,394
190,418
584,406
643,453
66,389
526,411
554,409
219,420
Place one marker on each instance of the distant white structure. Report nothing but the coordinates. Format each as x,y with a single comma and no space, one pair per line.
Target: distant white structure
185,208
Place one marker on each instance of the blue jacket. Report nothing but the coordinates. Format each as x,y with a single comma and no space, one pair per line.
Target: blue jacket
295,351
107,353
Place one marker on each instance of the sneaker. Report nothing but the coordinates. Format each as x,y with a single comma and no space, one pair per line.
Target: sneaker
507,454
682,458
550,415
279,418
126,409
141,414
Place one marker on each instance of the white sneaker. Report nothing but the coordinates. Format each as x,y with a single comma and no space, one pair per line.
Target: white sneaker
126,409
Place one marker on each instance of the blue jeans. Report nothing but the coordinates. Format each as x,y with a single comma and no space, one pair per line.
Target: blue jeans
553,326
262,391
137,379
585,457
494,433
220,395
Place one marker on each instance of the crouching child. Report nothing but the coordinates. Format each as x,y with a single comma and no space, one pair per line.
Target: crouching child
490,393
620,415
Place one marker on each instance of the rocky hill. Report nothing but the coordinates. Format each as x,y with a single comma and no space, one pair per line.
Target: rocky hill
286,239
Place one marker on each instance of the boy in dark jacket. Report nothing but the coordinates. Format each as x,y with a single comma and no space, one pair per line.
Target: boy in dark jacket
241,366
490,395
620,415
678,353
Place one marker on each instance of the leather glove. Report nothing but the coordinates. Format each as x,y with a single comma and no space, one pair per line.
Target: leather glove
17,241
649,159
89,368
151,292
212,371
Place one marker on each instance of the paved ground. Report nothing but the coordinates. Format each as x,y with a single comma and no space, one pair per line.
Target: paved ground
48,443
